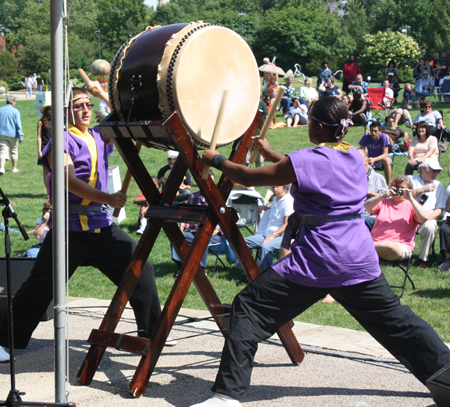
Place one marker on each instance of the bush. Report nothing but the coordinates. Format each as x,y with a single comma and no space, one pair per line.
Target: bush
19,85
405,74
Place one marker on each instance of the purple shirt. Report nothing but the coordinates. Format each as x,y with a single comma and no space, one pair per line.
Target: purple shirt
375,148
81,157
330,182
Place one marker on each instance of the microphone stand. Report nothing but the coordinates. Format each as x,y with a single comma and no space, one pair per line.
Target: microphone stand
14,399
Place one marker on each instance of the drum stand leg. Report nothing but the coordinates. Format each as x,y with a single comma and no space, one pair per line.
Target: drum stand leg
163,217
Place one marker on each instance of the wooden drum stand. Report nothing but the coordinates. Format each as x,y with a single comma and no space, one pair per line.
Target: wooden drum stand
162,215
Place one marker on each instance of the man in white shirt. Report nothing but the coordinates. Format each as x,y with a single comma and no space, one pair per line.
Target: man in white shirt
271,228
425,85
388,94
430,193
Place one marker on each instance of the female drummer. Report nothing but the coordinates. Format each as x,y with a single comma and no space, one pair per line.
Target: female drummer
332,253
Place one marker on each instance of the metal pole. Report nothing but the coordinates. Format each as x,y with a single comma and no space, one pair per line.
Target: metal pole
242,23
99,44
59,260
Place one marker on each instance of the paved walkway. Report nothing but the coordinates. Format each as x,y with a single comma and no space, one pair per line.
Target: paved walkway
185,373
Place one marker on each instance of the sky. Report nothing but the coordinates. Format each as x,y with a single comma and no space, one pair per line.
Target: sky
151,3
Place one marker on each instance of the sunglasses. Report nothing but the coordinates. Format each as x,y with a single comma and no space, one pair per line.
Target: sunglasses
88,106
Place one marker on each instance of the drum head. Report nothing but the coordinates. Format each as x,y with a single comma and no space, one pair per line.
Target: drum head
206,61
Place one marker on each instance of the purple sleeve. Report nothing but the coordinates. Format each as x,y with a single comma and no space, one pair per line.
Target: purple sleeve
385,139
363,141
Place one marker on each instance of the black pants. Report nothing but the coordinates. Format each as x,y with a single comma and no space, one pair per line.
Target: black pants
444,238
110,251
410,168
270,301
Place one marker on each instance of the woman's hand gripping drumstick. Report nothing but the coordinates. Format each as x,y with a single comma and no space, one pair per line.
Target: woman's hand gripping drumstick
215,135
269,118
126,181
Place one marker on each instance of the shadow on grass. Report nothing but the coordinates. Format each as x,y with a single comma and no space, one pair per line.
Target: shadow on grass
433,293
228,273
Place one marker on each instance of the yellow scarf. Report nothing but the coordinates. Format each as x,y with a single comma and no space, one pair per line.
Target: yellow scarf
92,147
337,146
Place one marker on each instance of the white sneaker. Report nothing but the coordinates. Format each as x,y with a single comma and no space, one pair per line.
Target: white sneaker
4,356
15,170
219,400
2,171
170,342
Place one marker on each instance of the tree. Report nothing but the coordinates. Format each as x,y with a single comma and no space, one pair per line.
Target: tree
379,49
10,10
305,33
8,64
356,20
118,20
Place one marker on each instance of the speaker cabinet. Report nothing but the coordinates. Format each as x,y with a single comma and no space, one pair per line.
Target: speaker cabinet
20,270
439,385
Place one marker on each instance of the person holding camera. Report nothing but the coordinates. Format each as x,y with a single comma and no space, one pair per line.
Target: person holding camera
398,216
430,193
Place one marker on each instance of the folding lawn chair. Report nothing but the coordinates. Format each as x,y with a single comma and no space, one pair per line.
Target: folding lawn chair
381,104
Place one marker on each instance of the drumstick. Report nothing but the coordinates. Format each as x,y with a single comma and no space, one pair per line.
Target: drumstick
86,80
269,118
215,135
126,181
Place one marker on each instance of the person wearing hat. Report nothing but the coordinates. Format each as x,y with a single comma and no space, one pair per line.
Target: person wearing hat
44,134
11,134
430,193
163,174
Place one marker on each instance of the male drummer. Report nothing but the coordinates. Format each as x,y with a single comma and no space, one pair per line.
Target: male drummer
93,239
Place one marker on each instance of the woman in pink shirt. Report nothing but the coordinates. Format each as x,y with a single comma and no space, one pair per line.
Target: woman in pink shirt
398,215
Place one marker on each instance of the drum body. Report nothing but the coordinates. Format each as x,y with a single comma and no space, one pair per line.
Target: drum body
187,67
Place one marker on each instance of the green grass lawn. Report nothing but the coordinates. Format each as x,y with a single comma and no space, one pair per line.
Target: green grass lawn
431,299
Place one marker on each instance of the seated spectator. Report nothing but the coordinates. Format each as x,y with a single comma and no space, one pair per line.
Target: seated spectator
308,95
41,229
346,100
398,216
329,89
271,227
401,116
391,69
424,86
430,194
376,145
185,188
140,200
357,109
323,74
414,101
422,146
190,230
376,185
388,93
419,69
406,95
359,86
444,234
393,84
432,117
271,87
288,95
298,114
394,132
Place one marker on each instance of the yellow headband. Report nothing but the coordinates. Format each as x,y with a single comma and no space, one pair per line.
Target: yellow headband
81,97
